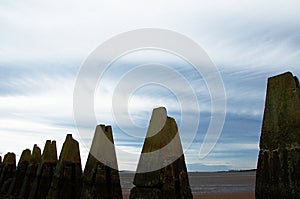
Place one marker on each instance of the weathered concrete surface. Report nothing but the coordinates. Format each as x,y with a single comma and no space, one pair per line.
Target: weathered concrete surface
146,193
66,182
45,170
35,160
100,180
278,173
8,172
161,171
0,165
23,163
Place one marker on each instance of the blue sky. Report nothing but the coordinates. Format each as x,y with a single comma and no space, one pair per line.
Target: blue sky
44,43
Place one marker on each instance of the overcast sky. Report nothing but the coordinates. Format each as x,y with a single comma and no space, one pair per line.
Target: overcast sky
44,43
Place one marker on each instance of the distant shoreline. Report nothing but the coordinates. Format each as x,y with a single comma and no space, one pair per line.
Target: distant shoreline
226,171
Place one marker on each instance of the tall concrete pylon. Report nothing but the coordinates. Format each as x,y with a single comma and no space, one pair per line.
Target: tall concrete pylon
8,170
161,171
101,176
278,173
67,177
17,182
31,171
45,170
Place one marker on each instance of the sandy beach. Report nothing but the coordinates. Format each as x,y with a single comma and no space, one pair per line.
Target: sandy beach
210,185
245,195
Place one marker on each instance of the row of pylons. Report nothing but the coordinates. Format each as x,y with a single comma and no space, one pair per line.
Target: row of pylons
161,171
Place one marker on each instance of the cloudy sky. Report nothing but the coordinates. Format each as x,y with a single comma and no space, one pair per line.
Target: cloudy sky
43,45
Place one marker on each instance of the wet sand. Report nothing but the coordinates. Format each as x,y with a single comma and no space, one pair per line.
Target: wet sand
211,185
226,196
218,196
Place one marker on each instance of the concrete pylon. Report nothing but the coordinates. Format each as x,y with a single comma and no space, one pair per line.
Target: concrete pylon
17,182
31,171
161,171
0,165
278,173
66,181
8,172
44,174
101,177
